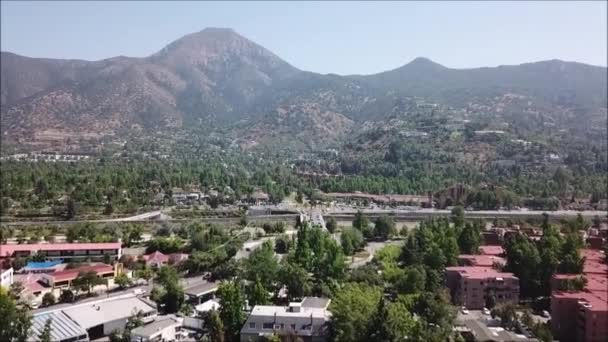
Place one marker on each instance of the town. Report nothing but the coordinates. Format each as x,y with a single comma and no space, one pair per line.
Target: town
311,277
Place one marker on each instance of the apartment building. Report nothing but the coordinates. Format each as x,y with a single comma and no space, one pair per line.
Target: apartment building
471,285
582,316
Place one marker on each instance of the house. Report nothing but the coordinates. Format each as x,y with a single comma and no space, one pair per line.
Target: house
307,320
158,259
162,329
64,279
201,290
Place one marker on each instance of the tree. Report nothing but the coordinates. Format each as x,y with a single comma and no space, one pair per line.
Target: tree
469,239
122,281
282,244
296,279
392,321
524,261
258,295
231,311
146,273
384,227
351,312
108,209
507,314
45,334
262,264
71,209
351,240
15,289
18,263
215,326
458,216
15,322
331,224
48,299
66,296
86,281
360,222
173,296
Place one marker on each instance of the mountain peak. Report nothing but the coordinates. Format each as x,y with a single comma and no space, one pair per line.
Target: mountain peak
423,62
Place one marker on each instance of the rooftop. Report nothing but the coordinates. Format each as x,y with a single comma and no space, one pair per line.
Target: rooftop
284,311
478,272
155,327
315,302
62,327
491,250
94,313
482,260
8,250
73,273
201,288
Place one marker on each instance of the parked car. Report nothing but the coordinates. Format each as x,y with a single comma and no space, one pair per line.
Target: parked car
464,310
486,311
545,314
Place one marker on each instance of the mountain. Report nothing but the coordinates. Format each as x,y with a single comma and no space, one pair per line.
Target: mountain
217,78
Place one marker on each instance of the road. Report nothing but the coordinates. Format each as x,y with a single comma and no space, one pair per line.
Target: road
372,248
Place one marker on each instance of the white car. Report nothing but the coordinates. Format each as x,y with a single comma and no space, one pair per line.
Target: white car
486,311
464,310
139,291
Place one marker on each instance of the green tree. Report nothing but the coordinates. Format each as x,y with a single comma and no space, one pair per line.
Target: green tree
507,314
215,326
71,209
122,281
263,265
45,334
258,295
231,311
331,224
66,296
15,322
48,299
296,279
86,281
458,216
173,297
351,312
469,239
384,227
351,240
360,222
524,261
282,244
392,322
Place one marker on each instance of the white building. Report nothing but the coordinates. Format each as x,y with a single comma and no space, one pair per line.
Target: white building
162,329
6,278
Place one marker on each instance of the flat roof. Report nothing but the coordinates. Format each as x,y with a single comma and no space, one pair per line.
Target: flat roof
482,260
479,272
8,250
491,250
62,326
156,326
201,289
283,311
94,313
73,273
315,302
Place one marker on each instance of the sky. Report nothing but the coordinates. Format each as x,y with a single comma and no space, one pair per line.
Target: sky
325,37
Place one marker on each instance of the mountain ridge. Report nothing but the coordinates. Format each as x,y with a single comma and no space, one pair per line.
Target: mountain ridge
218,77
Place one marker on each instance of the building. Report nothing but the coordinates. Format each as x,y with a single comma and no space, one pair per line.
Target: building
158,259
582,316
201,291
92,320
411,200
162,329
63,328
101,318
64,279
471,285
67,251
478,277
6,278
306,320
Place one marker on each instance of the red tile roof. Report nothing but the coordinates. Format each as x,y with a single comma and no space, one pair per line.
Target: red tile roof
477,272
482,260
491,250
8,250
73,273
157,257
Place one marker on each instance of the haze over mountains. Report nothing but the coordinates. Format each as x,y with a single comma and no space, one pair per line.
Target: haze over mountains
217,78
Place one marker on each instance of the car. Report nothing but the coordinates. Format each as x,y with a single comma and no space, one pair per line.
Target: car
545,314
139,291
464,310
35,305
486,311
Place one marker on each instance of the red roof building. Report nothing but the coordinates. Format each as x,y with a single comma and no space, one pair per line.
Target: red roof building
158,259
582,316
64,278
62,250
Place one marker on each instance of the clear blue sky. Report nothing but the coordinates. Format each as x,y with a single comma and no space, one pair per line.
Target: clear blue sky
339,37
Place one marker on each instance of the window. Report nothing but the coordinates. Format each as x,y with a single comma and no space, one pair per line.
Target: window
293,327
279,326
307,327
252,325
267,326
